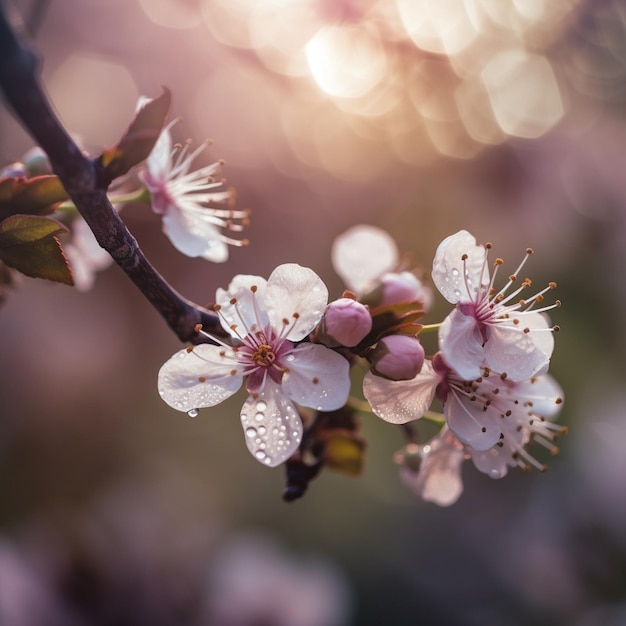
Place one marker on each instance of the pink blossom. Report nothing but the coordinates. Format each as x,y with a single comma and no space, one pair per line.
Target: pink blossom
489,328
184,199
265,319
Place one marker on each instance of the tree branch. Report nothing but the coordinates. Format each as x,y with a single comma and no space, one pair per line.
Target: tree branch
80,175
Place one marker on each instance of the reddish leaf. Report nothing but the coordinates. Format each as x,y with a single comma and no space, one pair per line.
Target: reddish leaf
138,141
35,196
28,244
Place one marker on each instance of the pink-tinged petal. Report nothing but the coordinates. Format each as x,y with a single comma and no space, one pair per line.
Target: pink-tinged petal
496,461
318,377
194,237
363,254
272,425
292,289
201,378
439,477
520,354
449,268
480,429
460,342
401,401
247,314
545,394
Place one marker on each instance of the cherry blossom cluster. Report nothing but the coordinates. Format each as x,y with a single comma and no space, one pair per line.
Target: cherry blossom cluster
485,384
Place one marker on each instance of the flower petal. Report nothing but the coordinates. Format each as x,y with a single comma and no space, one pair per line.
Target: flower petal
520,354
272,425
545,394
460,342
193,236
247,314
480,429
200,378
439,477
318,377
449,268
159,161
401,401
362,254
292,289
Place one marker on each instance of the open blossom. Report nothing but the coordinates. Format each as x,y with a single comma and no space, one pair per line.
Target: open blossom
489,328
265,319
184,199
489,411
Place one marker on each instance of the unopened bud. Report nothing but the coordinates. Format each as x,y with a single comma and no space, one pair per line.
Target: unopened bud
347,322
405,287
397,357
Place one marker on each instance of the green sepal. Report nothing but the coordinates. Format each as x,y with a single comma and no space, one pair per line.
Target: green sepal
33,196
29,244
139,139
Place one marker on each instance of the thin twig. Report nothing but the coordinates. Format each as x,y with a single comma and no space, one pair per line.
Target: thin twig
82,179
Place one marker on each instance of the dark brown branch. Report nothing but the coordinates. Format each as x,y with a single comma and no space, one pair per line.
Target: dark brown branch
19,80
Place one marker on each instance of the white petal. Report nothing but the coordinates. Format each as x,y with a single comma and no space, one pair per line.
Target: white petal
201,378
545,394
401,401
470,424
448,267
362,254
318,377
246,314
159,161
291,289
460,342
194,237
521,355
272,425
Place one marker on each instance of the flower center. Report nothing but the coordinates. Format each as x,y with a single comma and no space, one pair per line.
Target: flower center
264,355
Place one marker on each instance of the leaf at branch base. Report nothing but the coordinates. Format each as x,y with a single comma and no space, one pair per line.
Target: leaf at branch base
35,196
139,139
29,245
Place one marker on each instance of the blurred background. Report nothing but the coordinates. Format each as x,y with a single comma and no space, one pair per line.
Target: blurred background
423,117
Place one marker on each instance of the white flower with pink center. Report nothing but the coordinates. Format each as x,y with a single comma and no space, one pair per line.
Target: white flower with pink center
266,320
184,199
483,413
489,328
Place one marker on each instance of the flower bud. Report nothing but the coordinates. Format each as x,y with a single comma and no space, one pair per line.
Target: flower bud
347,322
404,287
397,357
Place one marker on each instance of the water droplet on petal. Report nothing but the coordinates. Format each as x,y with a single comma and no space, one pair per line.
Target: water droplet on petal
457,293
193,413
495,473
455,272
259,454
290,357
259,417
250,432
261,405
262,430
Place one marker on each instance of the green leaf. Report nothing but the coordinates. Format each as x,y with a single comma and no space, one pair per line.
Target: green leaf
29,245
138,141
35,196
344,452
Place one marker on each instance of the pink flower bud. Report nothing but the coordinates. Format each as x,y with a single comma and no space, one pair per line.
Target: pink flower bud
397,357
347,321
405,287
